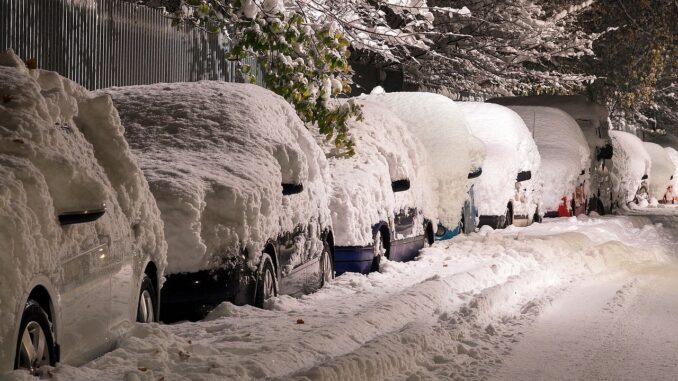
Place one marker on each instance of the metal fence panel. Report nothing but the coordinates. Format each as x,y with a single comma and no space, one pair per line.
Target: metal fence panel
104,43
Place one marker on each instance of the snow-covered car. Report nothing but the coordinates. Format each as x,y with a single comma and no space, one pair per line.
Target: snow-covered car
508,190
593,121
382,200
631,167
456,155
241,186
565,157
82,249
661,172
670,195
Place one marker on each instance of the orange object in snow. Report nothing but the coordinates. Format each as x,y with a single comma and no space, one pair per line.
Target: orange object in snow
563,210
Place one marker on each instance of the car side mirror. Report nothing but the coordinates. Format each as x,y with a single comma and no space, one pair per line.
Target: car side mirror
400,185
644,177
475,173
524,175
605,153
81,216
289,189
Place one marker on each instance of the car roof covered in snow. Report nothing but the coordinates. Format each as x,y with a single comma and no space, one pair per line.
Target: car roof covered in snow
440,125
563,149
215,155
362,196
661,171
630,162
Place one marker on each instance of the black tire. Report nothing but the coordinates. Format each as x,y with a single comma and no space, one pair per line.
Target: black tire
326,265
36,326
428,235
267,287
147,307
508,218
379,251
462,225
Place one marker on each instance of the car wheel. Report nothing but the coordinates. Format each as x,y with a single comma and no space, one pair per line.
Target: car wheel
147,308
266,284
508,218
462,225
326,266
379,251
35,344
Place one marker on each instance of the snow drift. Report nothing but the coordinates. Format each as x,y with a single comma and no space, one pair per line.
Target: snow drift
662,170
630,162
362,196
62,149
563,150
215,155
673,155
438,123
510,149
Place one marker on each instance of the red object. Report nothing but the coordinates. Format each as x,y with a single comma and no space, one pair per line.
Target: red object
563,209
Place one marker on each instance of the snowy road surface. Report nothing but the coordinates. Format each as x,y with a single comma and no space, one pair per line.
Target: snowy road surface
587,298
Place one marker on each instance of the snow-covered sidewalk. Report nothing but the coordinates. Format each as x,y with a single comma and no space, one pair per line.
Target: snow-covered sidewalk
456,312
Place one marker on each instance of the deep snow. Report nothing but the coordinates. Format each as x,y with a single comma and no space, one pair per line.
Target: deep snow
630,162
456,312
661,170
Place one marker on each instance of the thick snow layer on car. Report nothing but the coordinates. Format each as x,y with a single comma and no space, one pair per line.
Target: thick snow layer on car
630,162
438,123
662,170
510,149
563,149
673,155
215,155
62,149
362,196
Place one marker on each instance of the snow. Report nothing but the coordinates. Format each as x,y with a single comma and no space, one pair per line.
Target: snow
440,125
630,162
563,150
673,155
457,311
662,170
61,150
510,150
362,196
215,155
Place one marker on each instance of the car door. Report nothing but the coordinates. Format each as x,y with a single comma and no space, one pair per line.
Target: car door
291,256
124,287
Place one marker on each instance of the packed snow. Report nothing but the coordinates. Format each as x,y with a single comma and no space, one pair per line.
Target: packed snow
456,312
661,171
510,149
630,162
442,128
215,155
673,155
563,150
62,150
362,195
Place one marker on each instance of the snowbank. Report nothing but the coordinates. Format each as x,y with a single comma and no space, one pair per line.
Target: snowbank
215,155
673,155
441,126
362,196
62,149
510,150
662,170
630,162
563,149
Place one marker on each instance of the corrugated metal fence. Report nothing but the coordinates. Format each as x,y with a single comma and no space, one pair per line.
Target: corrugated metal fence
104,43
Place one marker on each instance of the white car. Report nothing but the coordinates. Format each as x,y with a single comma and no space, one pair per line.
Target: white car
670,195
241,184
631,167
82,249
565,159
456,155
506,192
661,174
382,201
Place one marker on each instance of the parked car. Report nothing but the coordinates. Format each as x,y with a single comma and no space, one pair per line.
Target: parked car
241,184
82,249
508,190
662,170
456,155
631,167
593,121
382,201
670,194
565,159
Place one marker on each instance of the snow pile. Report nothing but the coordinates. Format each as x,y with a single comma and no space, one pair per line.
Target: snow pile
630,162
510,150
62,150
362,196
215,155
673,155
563,149
427,319
439,124
662,170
